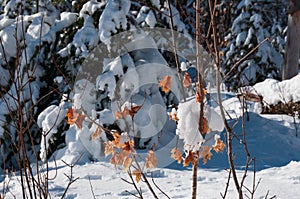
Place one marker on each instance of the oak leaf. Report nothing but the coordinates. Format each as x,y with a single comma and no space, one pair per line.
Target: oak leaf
166,84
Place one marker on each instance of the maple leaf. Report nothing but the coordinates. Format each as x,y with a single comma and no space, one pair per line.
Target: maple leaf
176,155
219,145
205,153
109,148
192,157
151,160
137,175
186,80
75,117
97,133
166,84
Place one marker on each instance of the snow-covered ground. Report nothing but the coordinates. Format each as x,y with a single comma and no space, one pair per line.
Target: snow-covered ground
271,140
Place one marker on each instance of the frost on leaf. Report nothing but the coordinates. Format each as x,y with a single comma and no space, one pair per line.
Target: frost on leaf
151,160
192,157
75,117
186,80
205,153
166,84
176,155
219,145
137,175
97,133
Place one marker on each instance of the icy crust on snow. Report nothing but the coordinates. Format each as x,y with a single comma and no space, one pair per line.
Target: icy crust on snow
187,128
274,91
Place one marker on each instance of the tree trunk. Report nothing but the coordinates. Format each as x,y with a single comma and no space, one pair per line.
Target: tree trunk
290,68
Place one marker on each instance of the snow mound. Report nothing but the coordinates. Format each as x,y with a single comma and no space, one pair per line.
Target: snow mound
274,91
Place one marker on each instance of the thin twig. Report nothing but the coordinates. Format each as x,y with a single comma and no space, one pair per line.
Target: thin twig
158,187
91,186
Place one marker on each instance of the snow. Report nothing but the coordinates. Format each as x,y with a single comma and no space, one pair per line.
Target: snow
275,91
109,23
271,139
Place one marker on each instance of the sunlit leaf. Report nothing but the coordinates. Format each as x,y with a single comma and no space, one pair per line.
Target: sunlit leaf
75,117
192,157
186,80
219,145
109,148
126,164
137,175
205,153
97,133
176,155
166,83
151,160
205,128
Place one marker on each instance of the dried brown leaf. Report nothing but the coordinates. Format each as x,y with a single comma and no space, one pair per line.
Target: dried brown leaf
151,160
126,164
97,133
192,157
205,127
219,145
109,148
137,175
205,153
166,83
186,80
176,155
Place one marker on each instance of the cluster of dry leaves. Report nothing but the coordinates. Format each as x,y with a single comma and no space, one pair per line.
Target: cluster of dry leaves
122,146
205,151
